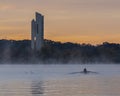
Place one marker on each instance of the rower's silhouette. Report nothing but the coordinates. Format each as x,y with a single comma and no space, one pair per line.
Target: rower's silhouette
85,70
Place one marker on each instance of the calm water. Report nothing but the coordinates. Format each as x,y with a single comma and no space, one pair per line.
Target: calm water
56,80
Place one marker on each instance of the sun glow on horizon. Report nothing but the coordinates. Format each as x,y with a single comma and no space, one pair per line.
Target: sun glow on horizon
75,21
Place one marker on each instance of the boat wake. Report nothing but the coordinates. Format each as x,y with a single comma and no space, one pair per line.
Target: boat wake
82,72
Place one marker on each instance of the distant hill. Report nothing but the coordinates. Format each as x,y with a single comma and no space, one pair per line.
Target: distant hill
15,52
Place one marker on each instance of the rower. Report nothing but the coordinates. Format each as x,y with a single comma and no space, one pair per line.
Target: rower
85,70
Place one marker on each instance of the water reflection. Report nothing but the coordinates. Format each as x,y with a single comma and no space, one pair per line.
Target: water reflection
37,88
56,81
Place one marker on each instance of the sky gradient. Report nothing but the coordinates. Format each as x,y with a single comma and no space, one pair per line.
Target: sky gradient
80,21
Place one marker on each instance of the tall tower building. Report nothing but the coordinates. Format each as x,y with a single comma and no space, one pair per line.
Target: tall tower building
37,32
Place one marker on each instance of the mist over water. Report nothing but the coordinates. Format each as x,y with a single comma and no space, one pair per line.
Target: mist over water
55,80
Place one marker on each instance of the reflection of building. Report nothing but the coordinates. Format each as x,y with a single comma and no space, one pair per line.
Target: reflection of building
37,32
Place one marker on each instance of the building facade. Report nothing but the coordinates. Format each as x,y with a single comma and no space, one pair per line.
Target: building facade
37,32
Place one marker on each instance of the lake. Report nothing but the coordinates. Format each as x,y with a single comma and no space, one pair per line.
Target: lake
57,80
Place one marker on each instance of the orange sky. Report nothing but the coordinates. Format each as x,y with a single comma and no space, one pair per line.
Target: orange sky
81,21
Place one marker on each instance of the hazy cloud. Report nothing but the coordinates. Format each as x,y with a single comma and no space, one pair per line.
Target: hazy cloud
6,7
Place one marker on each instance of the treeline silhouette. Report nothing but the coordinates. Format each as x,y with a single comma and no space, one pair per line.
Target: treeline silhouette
20,52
